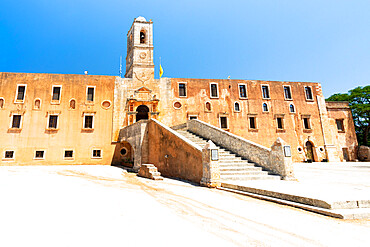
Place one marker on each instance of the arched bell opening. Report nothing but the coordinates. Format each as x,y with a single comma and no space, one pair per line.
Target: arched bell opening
142,112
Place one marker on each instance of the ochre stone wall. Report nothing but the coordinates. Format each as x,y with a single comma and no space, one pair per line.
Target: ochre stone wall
345,140
70,134
171,155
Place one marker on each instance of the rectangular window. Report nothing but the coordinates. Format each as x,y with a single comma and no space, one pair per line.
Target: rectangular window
88,122
223,121
252,122
287,92
9,155
21,93
193,117
16,121
56,93
96,153
68,154
306,123
214,90
308,92
53,122
242,91
340,125
265,92
90,94
39,154
182,89
279,122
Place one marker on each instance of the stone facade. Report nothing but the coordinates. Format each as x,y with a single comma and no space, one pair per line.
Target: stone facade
256,110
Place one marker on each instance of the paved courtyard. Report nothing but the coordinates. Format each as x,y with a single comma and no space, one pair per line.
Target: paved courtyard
105,206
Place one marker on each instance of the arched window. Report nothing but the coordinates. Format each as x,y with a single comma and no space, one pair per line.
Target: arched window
72,104
208,106
37,104
265,107
1,103
142,37
291,108
236,106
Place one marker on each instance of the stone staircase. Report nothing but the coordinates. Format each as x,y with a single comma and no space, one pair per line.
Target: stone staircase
149,171
232,167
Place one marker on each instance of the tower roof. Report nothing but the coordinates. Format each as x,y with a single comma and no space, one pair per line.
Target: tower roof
140,18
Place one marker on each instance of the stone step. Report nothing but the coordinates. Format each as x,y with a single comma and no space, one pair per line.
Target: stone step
239,173
251,177
240,168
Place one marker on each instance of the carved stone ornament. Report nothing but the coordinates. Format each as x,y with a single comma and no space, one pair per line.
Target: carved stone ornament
144,76
142,55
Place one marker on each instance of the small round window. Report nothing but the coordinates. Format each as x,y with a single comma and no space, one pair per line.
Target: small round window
123,151
177,105
299,149
106,104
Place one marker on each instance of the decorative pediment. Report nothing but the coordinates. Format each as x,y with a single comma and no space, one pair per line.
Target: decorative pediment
143,90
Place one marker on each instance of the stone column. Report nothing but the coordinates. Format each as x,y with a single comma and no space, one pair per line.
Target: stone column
211,167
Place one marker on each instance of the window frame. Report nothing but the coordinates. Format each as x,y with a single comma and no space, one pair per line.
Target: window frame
268,91
311,92
341,120
64,153
87,94
308,122
205,106
56,101
246,91
290,92
3,106
8,159
192,116
97,157
43,156
282,122
48,121
84,121
227,122
210,90
240,109
20,122
267,106
185,89
16,100
34,104
254,117
292,112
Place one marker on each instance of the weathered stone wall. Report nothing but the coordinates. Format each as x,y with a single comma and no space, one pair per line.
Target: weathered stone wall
345,140
173,155
70,134
271,159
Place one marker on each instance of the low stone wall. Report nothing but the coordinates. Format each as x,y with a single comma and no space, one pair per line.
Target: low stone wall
272,159
172,154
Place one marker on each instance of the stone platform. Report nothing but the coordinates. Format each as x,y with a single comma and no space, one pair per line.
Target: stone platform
341,190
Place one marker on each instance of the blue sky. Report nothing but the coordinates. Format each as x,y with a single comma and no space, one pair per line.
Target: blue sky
321,41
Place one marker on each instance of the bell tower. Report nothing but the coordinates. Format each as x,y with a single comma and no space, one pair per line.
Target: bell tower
139,59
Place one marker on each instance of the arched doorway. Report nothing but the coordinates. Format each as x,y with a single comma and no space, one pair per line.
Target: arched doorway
142,112
309,152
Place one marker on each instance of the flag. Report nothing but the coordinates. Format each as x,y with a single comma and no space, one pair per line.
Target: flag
160,71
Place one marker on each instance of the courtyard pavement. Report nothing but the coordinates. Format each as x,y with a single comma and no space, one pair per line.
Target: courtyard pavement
106,206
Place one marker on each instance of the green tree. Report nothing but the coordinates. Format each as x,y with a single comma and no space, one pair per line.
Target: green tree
359,102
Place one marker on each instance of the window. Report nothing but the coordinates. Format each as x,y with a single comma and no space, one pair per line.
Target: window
96,153
39,154
287,92
242,91
37,104
265,107
68,154
16,121
9,154
214,90
182,89
88,122
208,106
252,122
21,93
223,122
236,107
1,103
191,117
279,122
53,122
90,94
308,92
123,151
56,93
340,125
142,37
72,104
265,92
291,108
306,123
